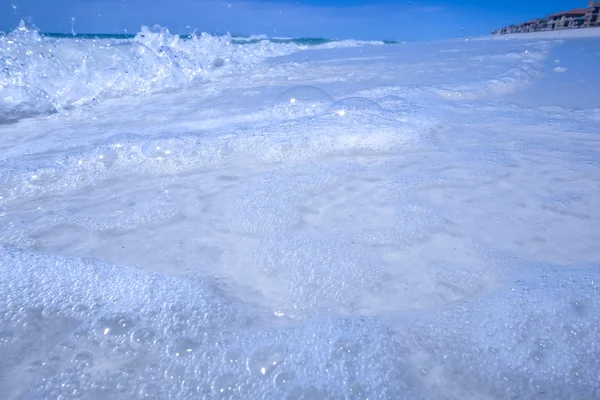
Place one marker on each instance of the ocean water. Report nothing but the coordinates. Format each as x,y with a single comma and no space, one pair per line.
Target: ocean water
233,39
212,217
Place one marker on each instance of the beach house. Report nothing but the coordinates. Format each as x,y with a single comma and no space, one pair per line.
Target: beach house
592,17
567,19
575,18
538,24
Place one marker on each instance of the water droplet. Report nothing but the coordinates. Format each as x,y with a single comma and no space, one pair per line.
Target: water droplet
343,349
6,336
177,329
503,379
283,379
123,387
175,373
181,317
142,338
149,391
113,325
123,147
84,359
580,307
182,347
537,355
85,377
163,148
358,392
51,311
152,370
224,384
44,176
536,386
67,346
232,357
194,387
80,309
264,362
572,333
576,374
349,370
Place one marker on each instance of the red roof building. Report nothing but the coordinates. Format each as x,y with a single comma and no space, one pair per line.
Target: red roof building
592,18
567,19
574,12
575,18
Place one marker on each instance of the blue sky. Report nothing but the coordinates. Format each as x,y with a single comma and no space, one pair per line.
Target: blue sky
358,19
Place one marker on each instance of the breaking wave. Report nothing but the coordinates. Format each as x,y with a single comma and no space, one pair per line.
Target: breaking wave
43,74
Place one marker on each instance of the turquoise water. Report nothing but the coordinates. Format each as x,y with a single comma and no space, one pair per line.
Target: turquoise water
235,39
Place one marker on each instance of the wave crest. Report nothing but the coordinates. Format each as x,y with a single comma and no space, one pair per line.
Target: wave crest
40,74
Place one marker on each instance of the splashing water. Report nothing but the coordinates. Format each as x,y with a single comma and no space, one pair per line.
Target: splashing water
41,74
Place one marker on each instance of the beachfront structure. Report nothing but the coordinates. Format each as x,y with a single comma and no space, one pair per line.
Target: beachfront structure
534,25
592,17
567,19
576,18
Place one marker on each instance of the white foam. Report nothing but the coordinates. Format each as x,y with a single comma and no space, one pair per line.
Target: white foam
324,224
349,43
251,38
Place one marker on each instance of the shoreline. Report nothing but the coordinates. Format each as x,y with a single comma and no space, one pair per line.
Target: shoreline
555,34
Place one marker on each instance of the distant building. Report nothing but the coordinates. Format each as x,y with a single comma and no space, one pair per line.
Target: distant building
534,25
576,18
592,17
567,19
505,30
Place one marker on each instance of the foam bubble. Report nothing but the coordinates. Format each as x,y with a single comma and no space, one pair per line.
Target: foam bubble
392,102
283,379
300,101
224,385
165,148
44,176
265,361
142,338
183,347
353,107
503,353
120,148
117,325
121,359
84,359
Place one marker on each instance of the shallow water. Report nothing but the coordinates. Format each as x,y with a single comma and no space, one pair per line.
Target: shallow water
199,219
